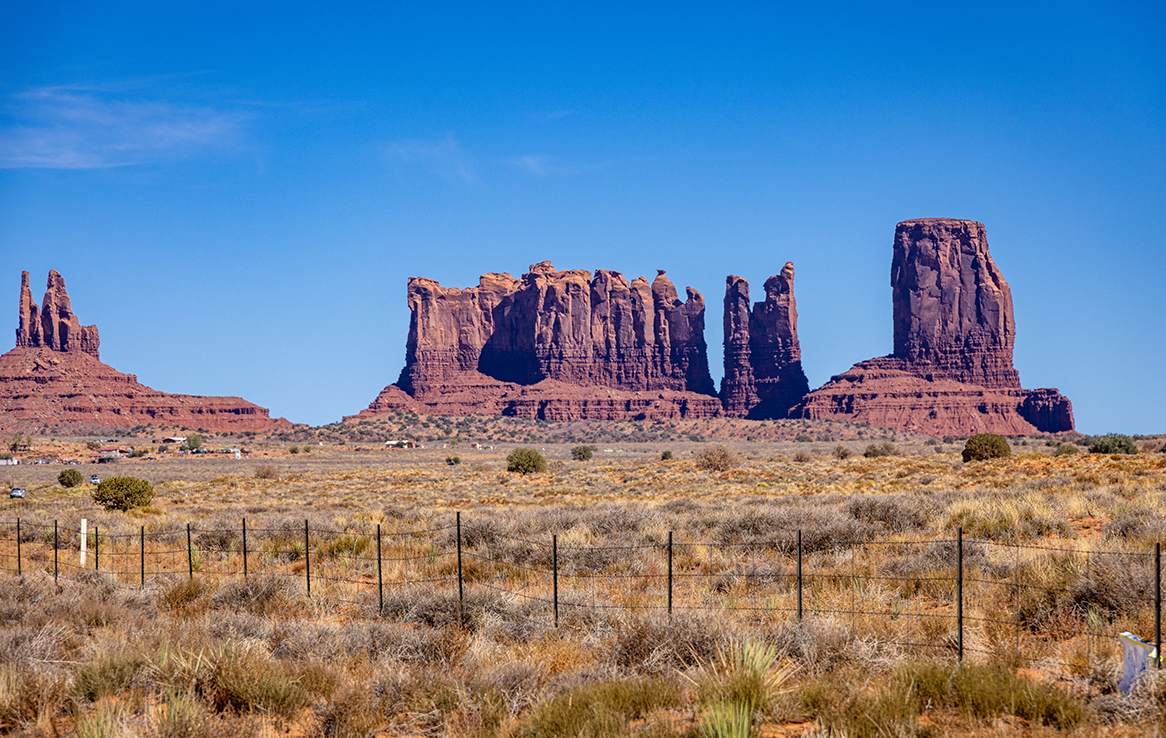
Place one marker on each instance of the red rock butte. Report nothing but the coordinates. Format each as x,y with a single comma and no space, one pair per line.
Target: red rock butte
54,377
951,372
572,346
554,345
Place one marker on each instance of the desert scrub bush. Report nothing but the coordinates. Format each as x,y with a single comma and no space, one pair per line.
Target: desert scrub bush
260,595
802,457
842,453
601,709
107,675
182,593
266,472
876,450
1065,450
453,460
345,545
525,461
249,681
294,450
29,697
582,453
1112,443
984,691
984,446
69,478
1005,517
717,457
666,456
123,493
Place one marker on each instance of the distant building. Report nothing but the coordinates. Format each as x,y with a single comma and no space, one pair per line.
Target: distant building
108,456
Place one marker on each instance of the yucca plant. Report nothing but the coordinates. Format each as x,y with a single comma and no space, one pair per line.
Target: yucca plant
747,676
726,720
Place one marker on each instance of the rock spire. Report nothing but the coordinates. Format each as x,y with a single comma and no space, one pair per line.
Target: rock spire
763,359
53,325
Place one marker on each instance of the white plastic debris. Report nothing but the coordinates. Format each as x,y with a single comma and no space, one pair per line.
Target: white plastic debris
1136,654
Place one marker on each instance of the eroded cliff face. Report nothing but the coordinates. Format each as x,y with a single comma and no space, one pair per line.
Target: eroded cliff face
952,307
951,371
54,326
54,377
763,359
553,343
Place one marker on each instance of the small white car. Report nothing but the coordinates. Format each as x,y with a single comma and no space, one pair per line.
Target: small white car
95,479
17,493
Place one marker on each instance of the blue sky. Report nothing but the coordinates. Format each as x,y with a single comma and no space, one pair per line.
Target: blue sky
236,194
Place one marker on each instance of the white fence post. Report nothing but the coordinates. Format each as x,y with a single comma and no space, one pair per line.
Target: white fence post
84,540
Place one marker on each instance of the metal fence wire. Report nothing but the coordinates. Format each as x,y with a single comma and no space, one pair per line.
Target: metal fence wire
912,594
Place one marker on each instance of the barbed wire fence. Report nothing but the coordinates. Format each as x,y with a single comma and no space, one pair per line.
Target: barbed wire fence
910,594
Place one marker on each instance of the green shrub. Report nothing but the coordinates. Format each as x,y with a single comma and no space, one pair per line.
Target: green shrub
717,457
986,446
69,478
525,461
842,453
666,456
123,493
453,460
875,450
582,453
294,449
1065,450
194,441
1112,443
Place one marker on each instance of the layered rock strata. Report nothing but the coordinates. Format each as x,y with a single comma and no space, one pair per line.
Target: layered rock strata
53,377
951,372
554,345
763,359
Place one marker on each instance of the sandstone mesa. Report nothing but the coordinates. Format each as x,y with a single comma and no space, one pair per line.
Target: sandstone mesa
54,377
566,345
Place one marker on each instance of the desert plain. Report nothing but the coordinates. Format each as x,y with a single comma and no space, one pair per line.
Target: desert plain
624,594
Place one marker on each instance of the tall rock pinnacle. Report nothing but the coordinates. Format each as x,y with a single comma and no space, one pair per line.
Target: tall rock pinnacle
53,325
763,359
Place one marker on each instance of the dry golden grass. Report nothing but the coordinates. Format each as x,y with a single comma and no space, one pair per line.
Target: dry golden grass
100,655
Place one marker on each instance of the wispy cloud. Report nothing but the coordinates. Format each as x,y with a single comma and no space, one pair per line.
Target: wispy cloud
540,165
86,128
445,158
